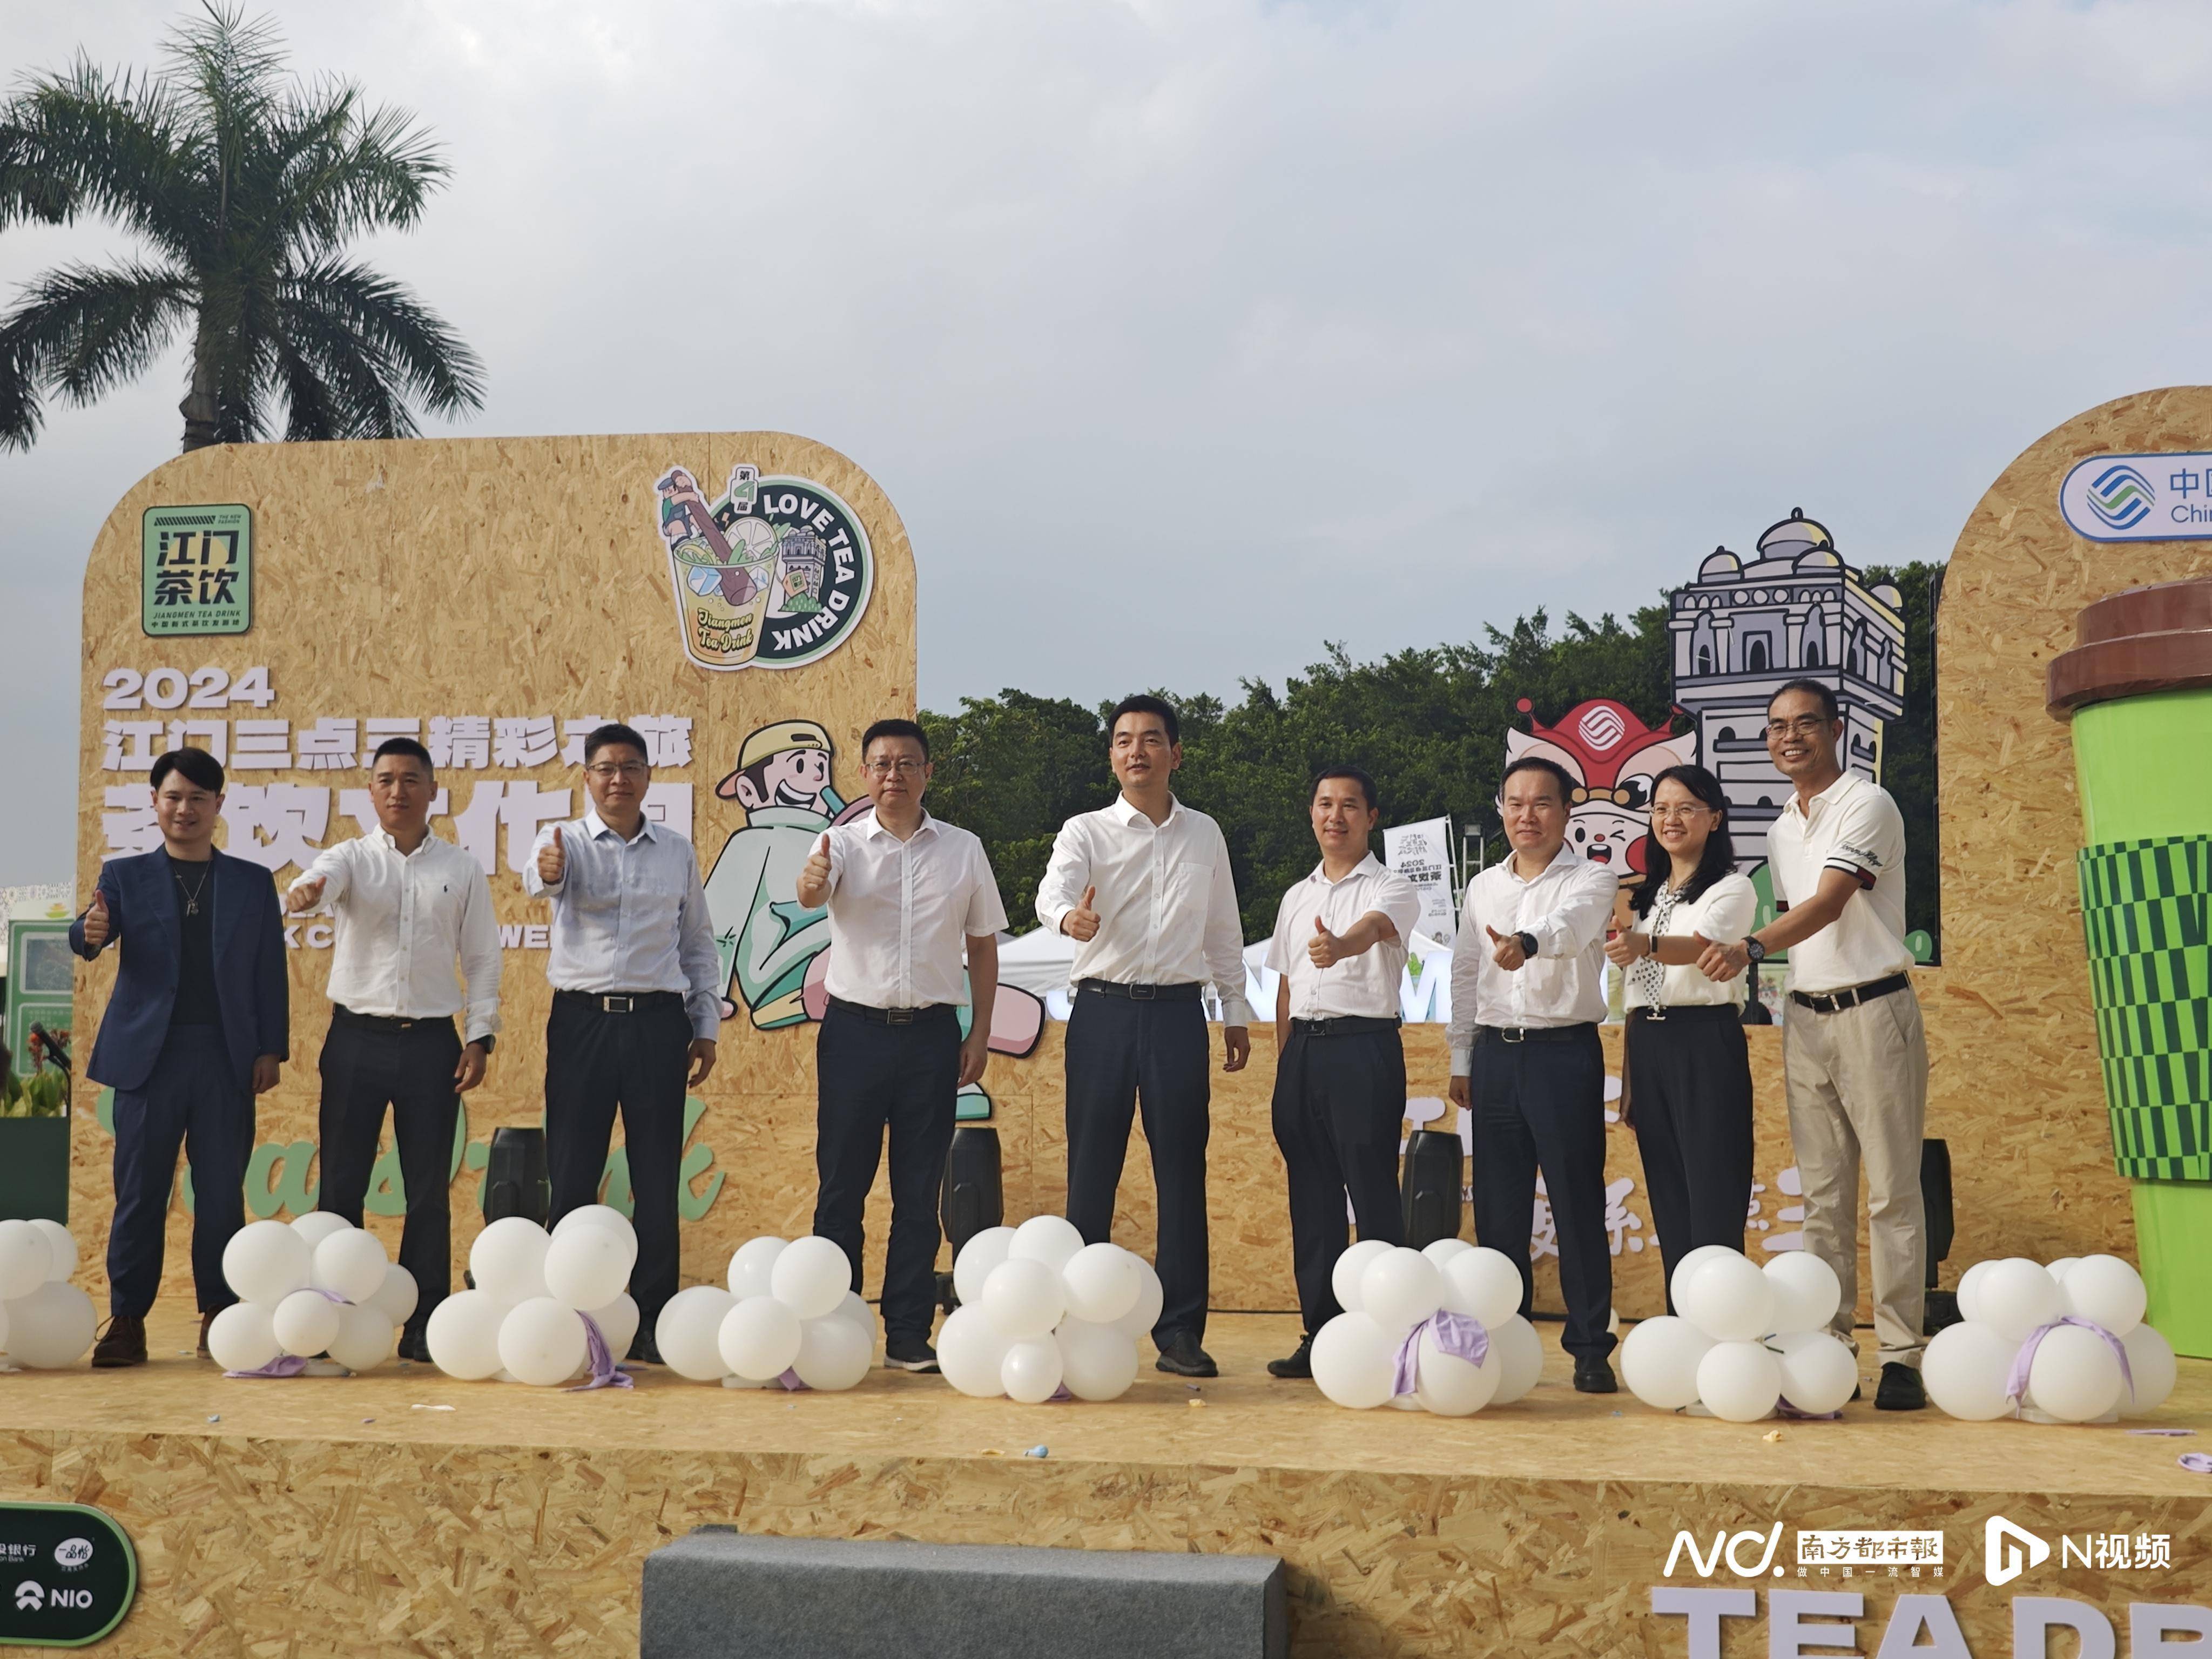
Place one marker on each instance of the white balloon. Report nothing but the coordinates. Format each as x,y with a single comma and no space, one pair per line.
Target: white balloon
985,1251
1807,1293
2150,1368
3,1327
834,1353
25,1257
859,1312
619,1321
1965,1367
317,1226
1023,1299
1728,1299
2074,1376
759,1338
2016,1296
60,1246
1969,1295
2105,1290
1400,1288
971,1353
752,1264
364,1337
1444,1249
1523,1352
241,1338
508,1259
1343,1279
1140,1320
587,1267
689,1333
305,1323
811,1277
51,1327
2060,1268
1483,1285
1408,1402
1051,1239
1355,1361
398,1295
600,1215
1817,1371
1688,1266
1450,1386
1098,1361
1031,1371
463,1335
541,1342
1659,1361
351,1263
1738,1382
266,1262
1104,1283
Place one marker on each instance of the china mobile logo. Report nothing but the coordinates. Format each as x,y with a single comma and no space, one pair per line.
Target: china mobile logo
1726,1547
2009,1550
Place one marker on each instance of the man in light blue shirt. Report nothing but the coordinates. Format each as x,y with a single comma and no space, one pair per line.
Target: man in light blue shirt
635,1003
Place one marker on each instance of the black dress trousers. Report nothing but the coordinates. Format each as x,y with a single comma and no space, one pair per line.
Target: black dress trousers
872,1076
1339,1104
1539,1104
368,1064
1689,1095
1125,1054
596,1061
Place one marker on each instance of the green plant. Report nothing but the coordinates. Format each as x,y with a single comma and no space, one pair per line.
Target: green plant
44,1094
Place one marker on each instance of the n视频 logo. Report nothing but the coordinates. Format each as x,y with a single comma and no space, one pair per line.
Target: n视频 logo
2121,496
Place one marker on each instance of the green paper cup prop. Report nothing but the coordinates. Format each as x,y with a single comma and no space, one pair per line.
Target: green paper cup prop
2138,687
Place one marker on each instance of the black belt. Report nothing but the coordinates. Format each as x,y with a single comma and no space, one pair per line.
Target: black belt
927,1013
341,1015
1344,1024
1834,1002
1187,991
1693,1011
621,1002
1536,1033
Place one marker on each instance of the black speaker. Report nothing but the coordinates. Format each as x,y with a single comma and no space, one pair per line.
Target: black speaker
974,1196
1434,1178
515,1182
1938,1228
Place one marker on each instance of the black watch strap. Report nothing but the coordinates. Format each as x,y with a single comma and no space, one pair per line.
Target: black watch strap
486,1043
1527,942
1753,949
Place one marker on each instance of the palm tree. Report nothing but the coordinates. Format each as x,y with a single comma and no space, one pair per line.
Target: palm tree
244,185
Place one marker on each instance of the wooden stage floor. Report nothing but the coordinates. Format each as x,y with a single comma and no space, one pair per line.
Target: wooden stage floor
354,1515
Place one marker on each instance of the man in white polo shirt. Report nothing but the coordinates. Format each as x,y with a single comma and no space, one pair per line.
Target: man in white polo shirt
1339,945
908,894
1854,1055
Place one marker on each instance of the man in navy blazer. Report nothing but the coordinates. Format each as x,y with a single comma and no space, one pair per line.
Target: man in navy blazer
199,1023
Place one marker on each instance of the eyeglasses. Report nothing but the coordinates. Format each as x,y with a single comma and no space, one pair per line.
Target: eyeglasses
906,767
1681,814
606,773
1805,726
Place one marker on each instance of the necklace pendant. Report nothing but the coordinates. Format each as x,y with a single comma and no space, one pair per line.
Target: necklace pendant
192,906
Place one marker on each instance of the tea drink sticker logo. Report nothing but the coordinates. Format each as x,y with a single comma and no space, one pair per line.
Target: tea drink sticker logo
773,575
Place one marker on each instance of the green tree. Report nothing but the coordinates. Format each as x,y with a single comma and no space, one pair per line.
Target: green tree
243,185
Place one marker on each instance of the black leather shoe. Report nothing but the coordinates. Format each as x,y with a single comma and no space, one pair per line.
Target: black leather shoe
1184,1357
1900,1389
644,1351
909,1353
123,1343
1299,1365
415,1344
1594,1376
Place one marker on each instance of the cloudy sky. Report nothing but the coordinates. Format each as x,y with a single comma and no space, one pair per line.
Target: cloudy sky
1189,334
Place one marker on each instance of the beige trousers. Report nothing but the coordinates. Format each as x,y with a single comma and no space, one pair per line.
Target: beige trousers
1857,1084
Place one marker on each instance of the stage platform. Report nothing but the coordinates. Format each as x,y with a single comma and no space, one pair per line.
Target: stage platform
352,1515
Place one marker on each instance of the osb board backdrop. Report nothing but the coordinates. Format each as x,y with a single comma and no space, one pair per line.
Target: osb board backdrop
482,589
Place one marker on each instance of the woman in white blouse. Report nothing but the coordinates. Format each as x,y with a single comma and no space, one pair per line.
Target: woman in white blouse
1686,1088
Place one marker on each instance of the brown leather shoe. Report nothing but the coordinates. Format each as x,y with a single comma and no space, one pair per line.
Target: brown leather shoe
206,1320
123,1343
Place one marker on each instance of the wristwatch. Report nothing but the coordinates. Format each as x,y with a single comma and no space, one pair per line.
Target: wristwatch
485,1042
1754,949
1528,943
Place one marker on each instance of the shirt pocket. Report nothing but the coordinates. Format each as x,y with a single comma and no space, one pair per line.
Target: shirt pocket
1190,880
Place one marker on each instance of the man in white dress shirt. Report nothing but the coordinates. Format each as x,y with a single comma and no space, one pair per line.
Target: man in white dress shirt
635,1003
1339,1101
908,895
1527,994
1144,888
406,906
1853,1056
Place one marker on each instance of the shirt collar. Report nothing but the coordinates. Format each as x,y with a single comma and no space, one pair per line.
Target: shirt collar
595,826
1370,865
1129,814
1564,860
1829,796
876,826
382,837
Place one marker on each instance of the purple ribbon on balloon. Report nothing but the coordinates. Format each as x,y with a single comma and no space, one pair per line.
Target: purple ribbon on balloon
791,1380
604,1372
2016,1384
291,1364
1456,1334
